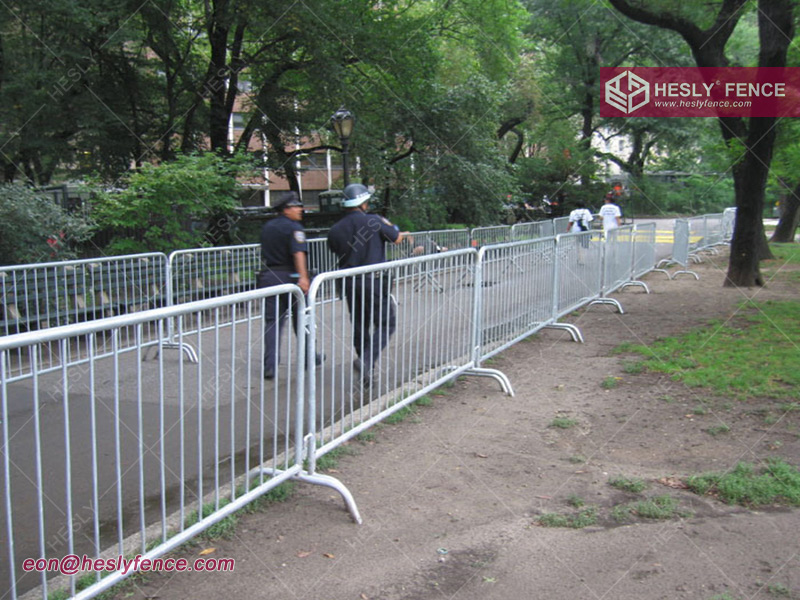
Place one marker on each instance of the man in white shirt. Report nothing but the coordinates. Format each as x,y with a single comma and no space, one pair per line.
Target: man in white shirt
610,213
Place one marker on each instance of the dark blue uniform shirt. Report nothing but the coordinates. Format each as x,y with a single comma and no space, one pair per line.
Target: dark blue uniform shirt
358,239
281,238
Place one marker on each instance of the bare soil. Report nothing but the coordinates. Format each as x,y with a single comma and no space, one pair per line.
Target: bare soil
451,496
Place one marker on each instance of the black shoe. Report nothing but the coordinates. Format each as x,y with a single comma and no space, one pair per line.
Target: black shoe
269,374
357,366
319,359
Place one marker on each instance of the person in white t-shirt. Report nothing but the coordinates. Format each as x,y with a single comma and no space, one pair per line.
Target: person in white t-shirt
579,218
611,214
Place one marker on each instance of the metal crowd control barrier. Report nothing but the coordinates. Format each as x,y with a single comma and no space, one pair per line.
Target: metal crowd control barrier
111,455
494,234
681,248
579,272
618,260
644,252
427,340
560,225
40,296
517,289
532,231
728,223
320,257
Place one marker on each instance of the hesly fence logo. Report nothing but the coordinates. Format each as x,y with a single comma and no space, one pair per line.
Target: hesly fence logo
700,92
627,92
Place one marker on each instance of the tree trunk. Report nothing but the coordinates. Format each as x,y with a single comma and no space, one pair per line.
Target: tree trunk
749,245
790,217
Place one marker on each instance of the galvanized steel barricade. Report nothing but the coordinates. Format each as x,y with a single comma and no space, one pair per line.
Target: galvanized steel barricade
45,295
644,253
320,257
495,234
516,293
427,334
532,231
202,273
560,225
681,247
579,261
618,259
728,223
112,455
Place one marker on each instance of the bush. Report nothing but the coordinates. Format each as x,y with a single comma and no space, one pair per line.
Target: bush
168,207
35,229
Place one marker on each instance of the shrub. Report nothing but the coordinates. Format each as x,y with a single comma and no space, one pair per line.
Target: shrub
167,207
34,229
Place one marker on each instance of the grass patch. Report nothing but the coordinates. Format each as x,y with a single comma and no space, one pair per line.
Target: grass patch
575,501
658,507
579,520
330,460
366,437
626,484
577,459
718,430
400,415
610,382
563,423
777,482
633,367
424,401
756,356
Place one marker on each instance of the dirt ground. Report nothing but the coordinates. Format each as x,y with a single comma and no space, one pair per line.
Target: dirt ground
450,496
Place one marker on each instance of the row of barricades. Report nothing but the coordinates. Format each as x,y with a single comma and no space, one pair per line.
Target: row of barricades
44,295
106,453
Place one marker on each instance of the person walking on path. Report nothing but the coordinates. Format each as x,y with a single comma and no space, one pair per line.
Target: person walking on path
579,218
611,214
283,260
358,239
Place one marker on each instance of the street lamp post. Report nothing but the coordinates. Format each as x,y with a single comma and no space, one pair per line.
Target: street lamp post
343,121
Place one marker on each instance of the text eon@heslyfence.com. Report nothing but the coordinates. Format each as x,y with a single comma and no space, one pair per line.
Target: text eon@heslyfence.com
71,564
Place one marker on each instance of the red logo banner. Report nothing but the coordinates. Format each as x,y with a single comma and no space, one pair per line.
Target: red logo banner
700,92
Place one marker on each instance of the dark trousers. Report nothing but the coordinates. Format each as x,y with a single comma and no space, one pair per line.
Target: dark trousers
374,319
275,309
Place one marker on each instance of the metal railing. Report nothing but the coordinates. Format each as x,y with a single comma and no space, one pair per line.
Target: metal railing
386,342
111,455
532,231
85,420
41,296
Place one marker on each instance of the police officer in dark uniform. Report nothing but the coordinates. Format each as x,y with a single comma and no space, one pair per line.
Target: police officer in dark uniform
358,239
283,259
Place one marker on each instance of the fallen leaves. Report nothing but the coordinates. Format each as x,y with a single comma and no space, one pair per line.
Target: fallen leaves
673,482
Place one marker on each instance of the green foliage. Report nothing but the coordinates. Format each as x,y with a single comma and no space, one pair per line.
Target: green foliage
33,228
691,194
563,423
775,482
756,358
627,484
168,207
583,518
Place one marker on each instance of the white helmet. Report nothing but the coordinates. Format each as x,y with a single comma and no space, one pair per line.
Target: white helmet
355,194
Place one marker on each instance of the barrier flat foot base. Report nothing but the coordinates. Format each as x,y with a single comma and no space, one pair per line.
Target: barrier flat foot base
333,483
609,301
576,334
636,283
501,378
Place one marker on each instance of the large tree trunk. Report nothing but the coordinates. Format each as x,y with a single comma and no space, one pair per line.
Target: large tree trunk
775,31
790,217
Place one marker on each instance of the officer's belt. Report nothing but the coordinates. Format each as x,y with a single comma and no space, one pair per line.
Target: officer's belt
281,268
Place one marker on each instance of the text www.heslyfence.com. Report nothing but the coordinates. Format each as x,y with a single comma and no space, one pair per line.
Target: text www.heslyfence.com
72,564
703,103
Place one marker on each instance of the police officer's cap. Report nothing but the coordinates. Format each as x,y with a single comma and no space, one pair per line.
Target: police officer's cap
288,199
